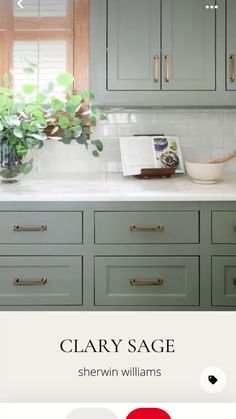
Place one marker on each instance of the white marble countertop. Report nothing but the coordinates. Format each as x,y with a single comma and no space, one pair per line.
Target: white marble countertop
114,187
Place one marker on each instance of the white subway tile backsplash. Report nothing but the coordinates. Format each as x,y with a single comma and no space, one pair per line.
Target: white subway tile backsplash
203,134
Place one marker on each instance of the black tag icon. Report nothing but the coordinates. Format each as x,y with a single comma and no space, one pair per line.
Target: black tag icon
213,380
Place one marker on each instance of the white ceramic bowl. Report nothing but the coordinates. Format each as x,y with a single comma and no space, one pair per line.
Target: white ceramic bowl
204,172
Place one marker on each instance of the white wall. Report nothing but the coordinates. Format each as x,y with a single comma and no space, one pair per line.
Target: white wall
202,133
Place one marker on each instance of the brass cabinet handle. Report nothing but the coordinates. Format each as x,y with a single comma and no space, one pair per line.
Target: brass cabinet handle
137,229
20,282
232,68
156,63
167,68
18,228
142,282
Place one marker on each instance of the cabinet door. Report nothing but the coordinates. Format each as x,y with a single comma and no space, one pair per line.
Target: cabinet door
133,45
189,59
231,45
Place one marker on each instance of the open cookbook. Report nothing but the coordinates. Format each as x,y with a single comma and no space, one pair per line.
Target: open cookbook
147,152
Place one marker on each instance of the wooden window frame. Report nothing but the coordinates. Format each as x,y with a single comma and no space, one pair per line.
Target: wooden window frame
12,29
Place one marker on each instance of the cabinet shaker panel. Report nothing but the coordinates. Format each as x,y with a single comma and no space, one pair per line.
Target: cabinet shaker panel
188,45
133,55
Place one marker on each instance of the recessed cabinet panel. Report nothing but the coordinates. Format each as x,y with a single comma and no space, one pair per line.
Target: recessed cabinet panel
231,44
133,45
188,45
41,227
28,281
146,227
224,281
224,227
144,281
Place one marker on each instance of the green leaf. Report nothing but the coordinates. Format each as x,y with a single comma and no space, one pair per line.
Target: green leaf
93,120
67,136
28,89
77,131
26,167
81,140
41,97
64,122
1,126
6,91
21,149
94,109
57,105
65,79
6,80
13,120
75,100
95,153
18,133
37,113
88,94
66,140
29,70
30,108
98,144
51,87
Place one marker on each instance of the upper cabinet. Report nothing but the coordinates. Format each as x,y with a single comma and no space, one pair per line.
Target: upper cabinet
188,46
231,44
163,52
133,44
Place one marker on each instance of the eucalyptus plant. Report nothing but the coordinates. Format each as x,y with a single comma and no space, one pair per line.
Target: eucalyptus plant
30,117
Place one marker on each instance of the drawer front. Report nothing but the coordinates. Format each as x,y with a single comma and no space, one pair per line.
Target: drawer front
224,227
224,281
147,281
146,227
26,281
41,227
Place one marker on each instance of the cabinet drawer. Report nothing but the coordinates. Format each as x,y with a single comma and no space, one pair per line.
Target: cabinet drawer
224,281
146,227
146,281
30,281
224,227
40,227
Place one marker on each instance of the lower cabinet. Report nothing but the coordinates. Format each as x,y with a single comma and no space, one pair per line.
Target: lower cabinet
43,281
224,281
145,281
118,256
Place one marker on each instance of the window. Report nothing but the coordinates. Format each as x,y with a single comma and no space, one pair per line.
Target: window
53,34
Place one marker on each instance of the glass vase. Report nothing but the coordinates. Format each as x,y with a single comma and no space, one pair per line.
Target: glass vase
9,162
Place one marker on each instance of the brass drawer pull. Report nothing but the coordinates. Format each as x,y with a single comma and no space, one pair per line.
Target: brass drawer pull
40,282
167,68
234,281
232,68
156,63
137,229
20,229
142,282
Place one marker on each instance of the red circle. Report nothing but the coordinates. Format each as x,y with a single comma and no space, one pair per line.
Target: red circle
148,413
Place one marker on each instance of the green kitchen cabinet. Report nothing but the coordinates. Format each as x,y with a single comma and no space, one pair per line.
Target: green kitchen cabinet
165,53
118,255
224,281
147,281
231,44
133,44
40,281
188,45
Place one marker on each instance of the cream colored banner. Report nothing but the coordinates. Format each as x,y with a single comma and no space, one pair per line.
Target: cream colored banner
144,357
